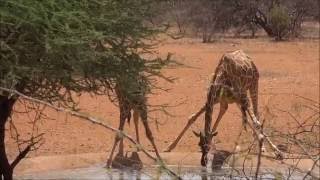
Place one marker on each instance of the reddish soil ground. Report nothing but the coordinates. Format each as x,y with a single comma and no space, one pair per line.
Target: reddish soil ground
286,68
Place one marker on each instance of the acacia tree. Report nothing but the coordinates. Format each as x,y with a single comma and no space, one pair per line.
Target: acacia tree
270,15
49,52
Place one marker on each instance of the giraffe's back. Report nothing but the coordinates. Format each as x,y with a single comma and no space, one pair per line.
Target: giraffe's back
237,69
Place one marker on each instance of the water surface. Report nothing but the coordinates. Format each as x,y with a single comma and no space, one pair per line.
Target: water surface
188,173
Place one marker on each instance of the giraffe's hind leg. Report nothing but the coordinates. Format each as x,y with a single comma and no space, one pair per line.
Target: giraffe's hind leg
116,141
253,90
136,124
118,137
244,105
244,118
144,118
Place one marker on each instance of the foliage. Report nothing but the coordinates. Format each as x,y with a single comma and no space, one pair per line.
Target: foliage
50,50
216,16
279,21
211,17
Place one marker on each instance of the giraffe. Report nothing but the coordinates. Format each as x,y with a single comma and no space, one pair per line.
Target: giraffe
234,76
136,103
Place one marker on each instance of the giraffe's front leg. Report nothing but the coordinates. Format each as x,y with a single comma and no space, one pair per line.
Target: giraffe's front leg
223,109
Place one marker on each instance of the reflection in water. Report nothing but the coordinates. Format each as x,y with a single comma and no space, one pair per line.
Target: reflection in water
204,175
124,175
220,156
99,172
121,175
138,175
127,162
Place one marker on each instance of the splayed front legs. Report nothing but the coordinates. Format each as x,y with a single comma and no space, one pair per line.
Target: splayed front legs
191,120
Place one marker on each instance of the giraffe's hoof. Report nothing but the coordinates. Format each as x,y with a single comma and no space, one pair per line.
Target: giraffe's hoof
109,164
169,148
279,156
257,126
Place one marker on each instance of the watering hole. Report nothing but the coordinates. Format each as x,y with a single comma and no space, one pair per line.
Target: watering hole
191,172
186,165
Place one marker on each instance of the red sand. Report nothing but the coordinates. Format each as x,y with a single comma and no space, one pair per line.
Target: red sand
286,68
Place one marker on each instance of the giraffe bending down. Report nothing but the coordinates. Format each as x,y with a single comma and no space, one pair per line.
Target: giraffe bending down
234,76
139,108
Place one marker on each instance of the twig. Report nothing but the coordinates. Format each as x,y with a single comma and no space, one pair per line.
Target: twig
308,99
309,173
293,166
260,141
293,169
26,150
305,151
245,159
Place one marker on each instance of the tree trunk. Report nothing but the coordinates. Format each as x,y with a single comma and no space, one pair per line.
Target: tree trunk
260,19
6,105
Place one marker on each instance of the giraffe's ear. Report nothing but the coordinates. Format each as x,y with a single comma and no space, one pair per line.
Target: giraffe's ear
195,133
214,134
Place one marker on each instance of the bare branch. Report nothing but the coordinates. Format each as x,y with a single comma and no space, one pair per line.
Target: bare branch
92,120
26,150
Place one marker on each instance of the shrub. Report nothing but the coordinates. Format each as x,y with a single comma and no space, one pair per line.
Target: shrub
279,22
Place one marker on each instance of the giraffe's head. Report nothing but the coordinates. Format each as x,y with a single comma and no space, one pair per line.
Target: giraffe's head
205,144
